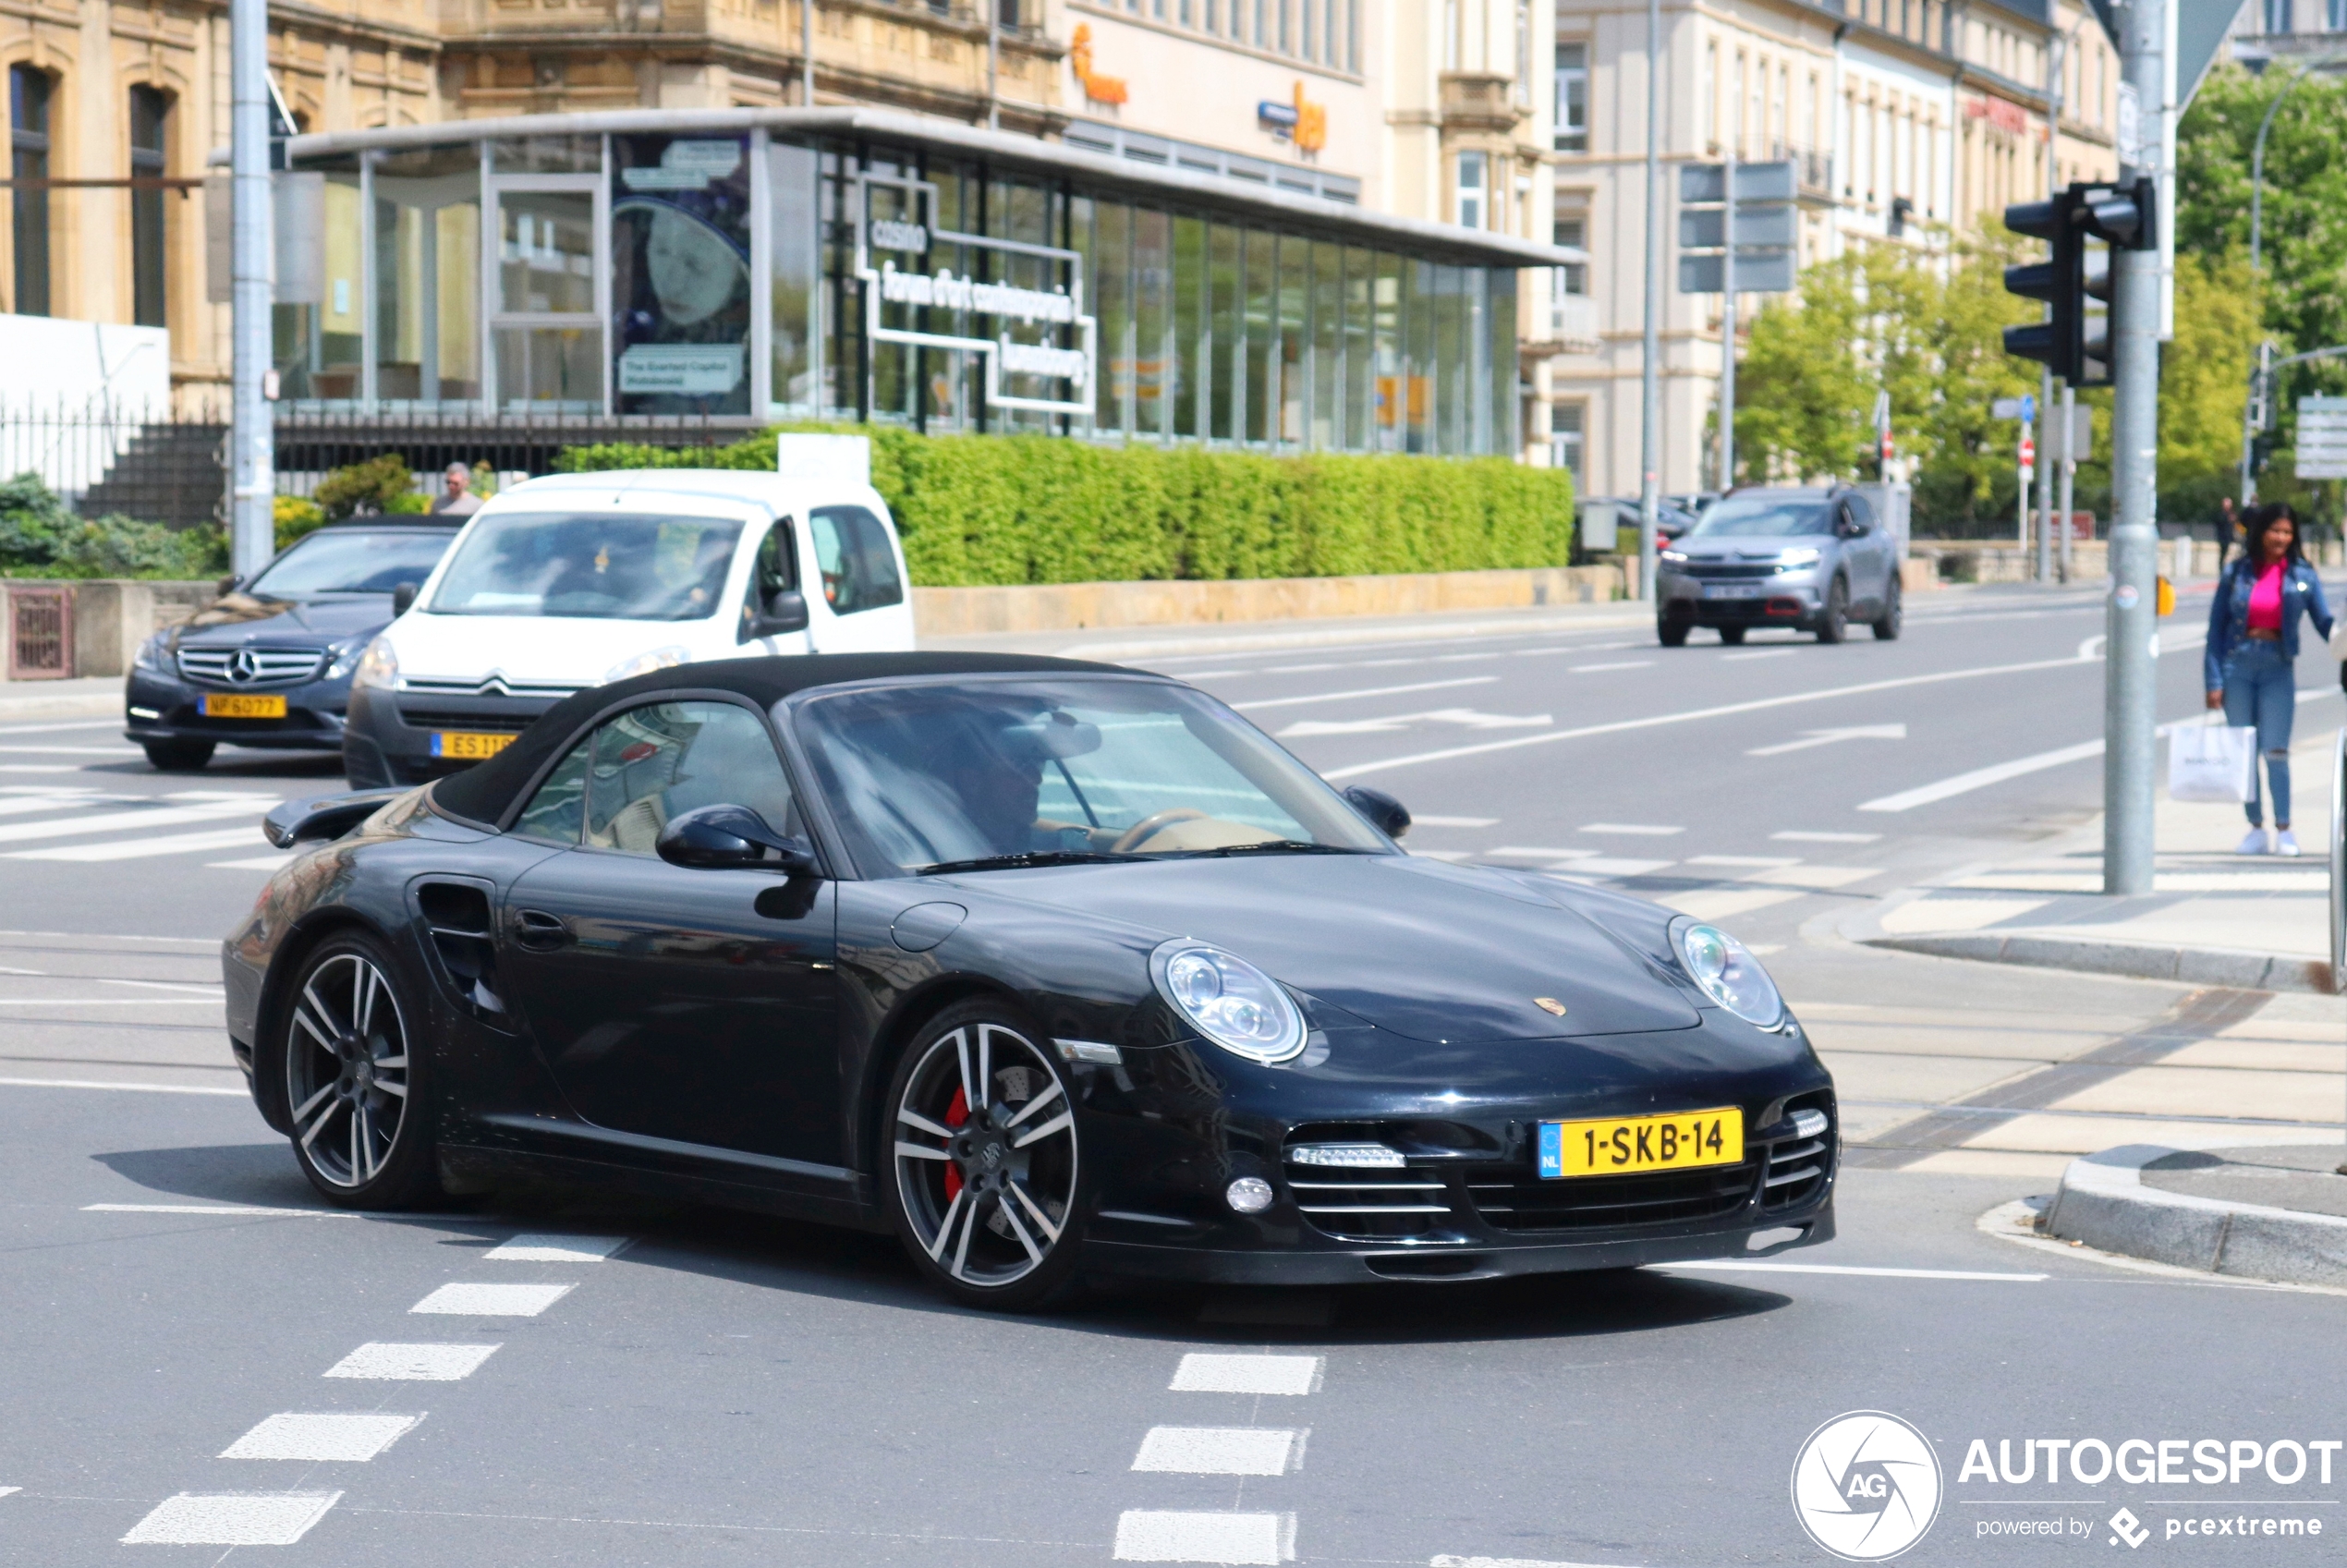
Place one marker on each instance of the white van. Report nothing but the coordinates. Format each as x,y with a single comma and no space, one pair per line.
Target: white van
577,579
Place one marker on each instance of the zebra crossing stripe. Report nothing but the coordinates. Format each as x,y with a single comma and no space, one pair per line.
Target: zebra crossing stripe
127,822
137,849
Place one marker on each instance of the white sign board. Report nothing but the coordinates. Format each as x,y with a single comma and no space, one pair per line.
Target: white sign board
2322,438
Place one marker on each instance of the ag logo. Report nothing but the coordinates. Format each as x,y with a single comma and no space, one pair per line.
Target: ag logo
1866,1486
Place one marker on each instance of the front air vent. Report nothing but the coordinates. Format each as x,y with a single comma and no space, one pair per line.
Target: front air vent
1514,1198
1380,1205
237,668
457,916
1799,1165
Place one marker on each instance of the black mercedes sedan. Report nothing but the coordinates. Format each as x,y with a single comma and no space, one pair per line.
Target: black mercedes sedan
1047,967
270,664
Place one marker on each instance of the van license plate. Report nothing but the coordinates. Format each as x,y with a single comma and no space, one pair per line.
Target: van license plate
1626,1145
1733,589
234,705
466,746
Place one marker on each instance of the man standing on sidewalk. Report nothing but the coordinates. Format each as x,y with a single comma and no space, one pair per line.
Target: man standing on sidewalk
460,502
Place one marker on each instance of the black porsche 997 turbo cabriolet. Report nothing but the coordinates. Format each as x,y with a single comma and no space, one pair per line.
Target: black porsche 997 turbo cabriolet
1044,967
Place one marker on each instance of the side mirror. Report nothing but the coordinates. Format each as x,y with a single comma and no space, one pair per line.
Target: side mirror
403,598
1386,814
717,838
785,611
229,585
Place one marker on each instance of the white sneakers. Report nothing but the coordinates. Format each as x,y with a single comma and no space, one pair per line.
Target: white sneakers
2255,842
2284,843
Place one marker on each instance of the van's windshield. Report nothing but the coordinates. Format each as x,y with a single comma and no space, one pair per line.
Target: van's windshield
597,566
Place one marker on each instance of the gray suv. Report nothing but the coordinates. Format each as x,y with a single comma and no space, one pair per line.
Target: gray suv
1811,559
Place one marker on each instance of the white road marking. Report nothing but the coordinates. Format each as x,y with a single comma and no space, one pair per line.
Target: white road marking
1646,829
1204,1373
1828,737
1743,860
556,1250
256,863
125,821
342,1437
1146,1535
1757,653
491,1301
1444,1560
1725,903
235,1519
144,1089
52,729
1469,717
1220,1451
1364,691
39,767
1622,664
1795,836
212,989
412,1363
1455,822
25,805
1654,721
1536,852
1610,866
101,1001
1981,778
1823,877
141,848
73,750
238,1210
1740,1266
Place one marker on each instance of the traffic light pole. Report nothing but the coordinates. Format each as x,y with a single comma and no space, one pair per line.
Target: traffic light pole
2130,666
1728,324
1650,416
253,442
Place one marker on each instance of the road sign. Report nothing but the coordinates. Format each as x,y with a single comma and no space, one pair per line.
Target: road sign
1758,272
2022,407
2080,445
1765,228
1757,228
2322,438
2028,453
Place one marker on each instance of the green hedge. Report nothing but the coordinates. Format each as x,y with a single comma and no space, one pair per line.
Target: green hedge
985,510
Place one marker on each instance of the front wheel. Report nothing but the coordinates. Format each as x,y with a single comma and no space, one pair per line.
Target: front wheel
1672,630
357,1078
1833,621
985,1173
1886,629
177,756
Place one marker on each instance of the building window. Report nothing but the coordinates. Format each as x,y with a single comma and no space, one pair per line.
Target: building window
1565,446
2277,16
1573,98
1574,277
1524,52
2338,17
1471,190
29,91
149,116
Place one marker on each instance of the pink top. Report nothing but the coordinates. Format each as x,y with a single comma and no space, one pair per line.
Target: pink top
2265,600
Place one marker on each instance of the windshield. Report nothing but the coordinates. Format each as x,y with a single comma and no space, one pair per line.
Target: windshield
598,565
966,774
1764,517
353,561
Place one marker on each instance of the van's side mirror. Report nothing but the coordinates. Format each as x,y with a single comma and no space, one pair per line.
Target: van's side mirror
732,837
785,611
1386,814
403,598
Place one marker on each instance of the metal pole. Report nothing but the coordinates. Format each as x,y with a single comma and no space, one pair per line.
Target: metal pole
2054,58
1728,320
807,52
252,443
1650,432
2129,673
2069,470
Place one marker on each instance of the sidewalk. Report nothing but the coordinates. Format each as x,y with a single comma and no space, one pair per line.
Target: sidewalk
2265,1212
95,697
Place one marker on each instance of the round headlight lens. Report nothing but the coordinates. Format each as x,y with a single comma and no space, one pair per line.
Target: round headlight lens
150,655
1728,973
1230,1001
379,667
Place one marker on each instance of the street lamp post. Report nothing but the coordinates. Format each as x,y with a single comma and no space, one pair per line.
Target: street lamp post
1650,392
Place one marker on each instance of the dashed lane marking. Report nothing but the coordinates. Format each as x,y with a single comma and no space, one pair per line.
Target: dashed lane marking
1202,1373
1455,822
256,863
412,1363
136,1088
1152,1536
555,1249
343,1437
1221,1451
1740,1266
491,1300
1621,664
1981,778
232,1519
1364,691
236,1210
1649,829
1795,835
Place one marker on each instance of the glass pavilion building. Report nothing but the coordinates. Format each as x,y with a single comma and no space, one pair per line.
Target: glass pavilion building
846,264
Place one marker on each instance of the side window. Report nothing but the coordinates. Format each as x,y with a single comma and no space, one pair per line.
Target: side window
555,812
776,569
852,553
656,762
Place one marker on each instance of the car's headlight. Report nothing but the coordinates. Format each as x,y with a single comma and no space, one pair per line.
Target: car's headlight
1793,558
1728,973
150,655
1676,557
1229,1001
346,655
645,664
379,667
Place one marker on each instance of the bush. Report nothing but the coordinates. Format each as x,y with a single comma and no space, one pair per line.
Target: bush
40,537
295,517
379,484
984,510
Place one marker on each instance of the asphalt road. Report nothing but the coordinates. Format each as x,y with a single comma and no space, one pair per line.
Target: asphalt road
699,1386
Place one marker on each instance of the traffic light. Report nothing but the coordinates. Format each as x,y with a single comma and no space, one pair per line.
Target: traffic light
2081,226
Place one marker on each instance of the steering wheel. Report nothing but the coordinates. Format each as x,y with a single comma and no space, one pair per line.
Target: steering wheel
1148,828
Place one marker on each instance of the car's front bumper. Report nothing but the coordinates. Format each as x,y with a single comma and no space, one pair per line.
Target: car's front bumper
160,706
388,739
1784,599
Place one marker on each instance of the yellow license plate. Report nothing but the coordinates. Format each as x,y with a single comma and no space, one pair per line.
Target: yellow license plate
233,705
1616,1145
467,746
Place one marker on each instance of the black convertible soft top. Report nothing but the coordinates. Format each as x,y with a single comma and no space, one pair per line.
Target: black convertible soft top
486,793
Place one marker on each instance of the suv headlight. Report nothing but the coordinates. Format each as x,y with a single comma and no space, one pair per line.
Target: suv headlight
150,655
1229,1001
1676,557
645,664
1727,972
1793,558
379,667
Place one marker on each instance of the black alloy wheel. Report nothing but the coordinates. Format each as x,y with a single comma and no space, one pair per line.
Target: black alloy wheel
1833,621
1671,627
1732,635
988,1182
177,756
356,1078
1886,629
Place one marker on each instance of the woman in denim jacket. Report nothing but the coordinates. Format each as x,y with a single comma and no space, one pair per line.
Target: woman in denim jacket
2252,650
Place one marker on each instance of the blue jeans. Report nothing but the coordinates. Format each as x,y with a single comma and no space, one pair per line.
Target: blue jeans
2260,690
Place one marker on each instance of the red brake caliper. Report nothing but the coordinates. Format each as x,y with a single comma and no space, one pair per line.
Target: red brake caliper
956,1115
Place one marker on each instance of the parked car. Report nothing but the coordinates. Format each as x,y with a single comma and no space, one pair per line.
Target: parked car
270,664
1045,966
574,580
1604,516
1811,559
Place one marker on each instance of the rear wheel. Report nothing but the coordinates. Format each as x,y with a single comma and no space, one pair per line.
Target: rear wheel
357,1078
1732,635
1671,627
1886,629
984,1169
1833,621
177,756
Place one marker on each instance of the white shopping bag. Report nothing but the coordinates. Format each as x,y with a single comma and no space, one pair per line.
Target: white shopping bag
2211,761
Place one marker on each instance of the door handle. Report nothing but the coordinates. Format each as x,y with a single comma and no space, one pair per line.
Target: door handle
536,929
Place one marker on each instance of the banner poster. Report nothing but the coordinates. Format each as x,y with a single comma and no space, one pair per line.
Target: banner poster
680,275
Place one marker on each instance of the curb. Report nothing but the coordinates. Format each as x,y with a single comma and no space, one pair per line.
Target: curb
2103,1203
2140,961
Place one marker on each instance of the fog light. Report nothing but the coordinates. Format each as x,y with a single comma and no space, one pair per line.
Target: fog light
1808,1124
1248,1195
146,713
